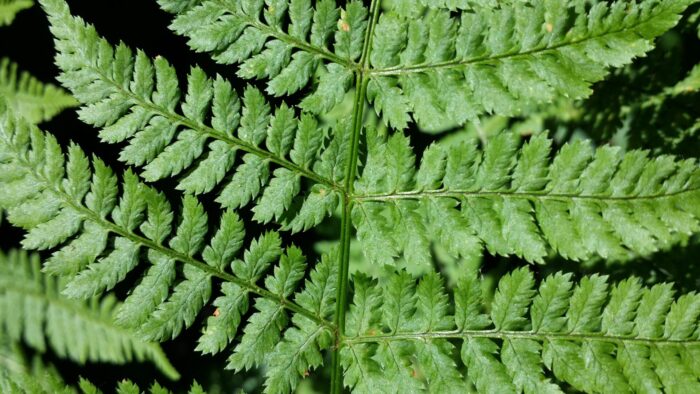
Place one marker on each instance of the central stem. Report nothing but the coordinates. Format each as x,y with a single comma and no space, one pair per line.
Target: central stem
361,80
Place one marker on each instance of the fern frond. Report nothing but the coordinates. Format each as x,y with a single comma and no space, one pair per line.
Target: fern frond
436,63
34,100
33,310
10,8
589,335
285,41
410,8
91,213
651,103
128,387
443,70
134,98
516,200
18,375
426,64
691,83
43,379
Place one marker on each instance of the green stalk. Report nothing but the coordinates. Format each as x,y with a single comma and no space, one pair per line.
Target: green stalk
361,80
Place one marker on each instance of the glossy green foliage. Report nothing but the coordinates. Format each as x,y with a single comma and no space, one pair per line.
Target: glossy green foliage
588,335
33,311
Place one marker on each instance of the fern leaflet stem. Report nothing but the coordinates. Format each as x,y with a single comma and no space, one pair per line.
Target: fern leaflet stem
361,81
417,195
505,335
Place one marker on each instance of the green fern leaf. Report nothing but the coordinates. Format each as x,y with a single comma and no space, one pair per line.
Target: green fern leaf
226,242
510,303
44,379
514,200
299,349
34,311
128,387
410,8
181,308
431,65
10,8
152,291
18,376
283,334
32,99
278,196
534,329
203,137
332,86
106,273
501,60
287,55
264,328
